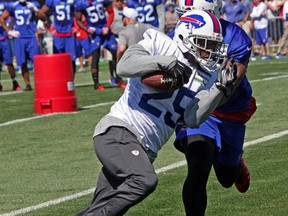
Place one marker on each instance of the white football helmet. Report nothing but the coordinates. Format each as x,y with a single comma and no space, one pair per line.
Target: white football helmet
210,5
201,27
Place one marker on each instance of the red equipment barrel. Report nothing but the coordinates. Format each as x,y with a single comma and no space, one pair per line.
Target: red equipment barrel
54,85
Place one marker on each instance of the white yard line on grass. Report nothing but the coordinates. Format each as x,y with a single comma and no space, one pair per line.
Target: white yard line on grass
160,170
90,83
268,78
104,104
52,114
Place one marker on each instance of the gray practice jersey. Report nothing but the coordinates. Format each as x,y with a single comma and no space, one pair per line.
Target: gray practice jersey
132,33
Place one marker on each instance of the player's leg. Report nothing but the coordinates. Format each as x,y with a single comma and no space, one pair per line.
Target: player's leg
127,177
95,50
85,51
199,157
79,55
118,80
111,44
15,84
229,165
21,59
70,47
198,145
95,69
1,65
7,58
110,57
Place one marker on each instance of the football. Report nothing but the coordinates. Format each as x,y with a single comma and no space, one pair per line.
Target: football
159,81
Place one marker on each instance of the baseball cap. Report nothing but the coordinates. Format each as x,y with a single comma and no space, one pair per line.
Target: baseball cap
129,13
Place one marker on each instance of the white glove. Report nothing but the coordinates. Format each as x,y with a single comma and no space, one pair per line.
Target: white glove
91,30
226,78
32,6
105,30
13,33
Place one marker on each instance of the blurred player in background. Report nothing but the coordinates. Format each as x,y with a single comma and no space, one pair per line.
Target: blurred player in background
98,27
150,11
62,26
82,44
132,32
6,55
24,33
219,140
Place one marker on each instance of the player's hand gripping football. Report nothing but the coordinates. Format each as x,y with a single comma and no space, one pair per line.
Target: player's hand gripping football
226,78
180,73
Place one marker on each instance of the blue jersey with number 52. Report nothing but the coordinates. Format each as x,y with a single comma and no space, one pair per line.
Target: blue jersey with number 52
147,12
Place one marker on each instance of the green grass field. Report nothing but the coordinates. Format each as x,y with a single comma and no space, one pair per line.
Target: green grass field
47,159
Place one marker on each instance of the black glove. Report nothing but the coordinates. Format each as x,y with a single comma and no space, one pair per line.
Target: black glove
180,73
226,77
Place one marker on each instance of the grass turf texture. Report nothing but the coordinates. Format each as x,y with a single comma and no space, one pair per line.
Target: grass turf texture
52,157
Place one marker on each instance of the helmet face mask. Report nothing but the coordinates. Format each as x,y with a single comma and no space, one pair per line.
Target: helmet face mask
199,33
206,51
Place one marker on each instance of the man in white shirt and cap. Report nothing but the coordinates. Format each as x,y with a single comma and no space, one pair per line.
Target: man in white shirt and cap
132,32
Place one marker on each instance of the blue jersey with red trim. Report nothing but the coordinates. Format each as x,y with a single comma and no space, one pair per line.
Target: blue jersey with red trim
238,45
63,13
147,12
94,12
24,18
3,33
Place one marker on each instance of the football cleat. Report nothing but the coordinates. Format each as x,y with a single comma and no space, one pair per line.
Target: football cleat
16,87
253,58
243,181
279,56
112,81
80,70
121,83
98,87
28,88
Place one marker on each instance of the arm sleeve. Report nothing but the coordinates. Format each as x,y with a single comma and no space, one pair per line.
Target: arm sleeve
110,18
137,62
204,103
258,12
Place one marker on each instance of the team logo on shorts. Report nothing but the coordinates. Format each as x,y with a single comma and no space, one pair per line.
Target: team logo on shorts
135,152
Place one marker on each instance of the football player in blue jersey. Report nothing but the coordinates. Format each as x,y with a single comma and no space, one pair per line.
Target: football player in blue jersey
62,27
149,11
6,55
98,28
24,33
219,140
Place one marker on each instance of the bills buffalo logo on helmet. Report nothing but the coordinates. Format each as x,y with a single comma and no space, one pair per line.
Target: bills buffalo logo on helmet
195,20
